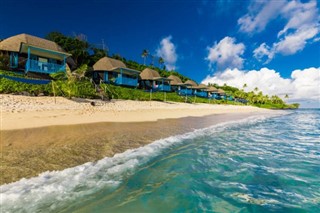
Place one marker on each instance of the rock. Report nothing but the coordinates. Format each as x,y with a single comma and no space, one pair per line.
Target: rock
25,93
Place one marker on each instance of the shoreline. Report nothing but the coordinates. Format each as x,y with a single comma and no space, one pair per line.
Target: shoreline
43,146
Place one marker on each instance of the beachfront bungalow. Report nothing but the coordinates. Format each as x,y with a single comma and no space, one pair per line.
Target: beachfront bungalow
112,71
201,91
197,90
189,90
213,92
221,94
151,80
177,85
32,54
218,94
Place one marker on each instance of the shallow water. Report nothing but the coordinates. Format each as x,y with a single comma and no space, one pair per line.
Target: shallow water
265,164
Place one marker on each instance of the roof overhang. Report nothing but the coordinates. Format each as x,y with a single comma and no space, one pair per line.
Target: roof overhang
200,87
43,52
161,79
126,71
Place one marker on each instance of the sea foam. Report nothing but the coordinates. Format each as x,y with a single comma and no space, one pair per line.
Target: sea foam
50,191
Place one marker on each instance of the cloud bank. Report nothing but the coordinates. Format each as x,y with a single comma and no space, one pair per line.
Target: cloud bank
226,54
301,26
167,50
302,87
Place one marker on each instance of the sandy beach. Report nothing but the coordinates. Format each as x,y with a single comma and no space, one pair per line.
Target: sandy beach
19,112
39,134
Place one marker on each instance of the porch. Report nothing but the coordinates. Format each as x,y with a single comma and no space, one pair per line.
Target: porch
185,92
162,84
122,80
202,94
44,67
122,77
41,60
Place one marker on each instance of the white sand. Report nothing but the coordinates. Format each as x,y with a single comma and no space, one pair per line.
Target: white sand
19,112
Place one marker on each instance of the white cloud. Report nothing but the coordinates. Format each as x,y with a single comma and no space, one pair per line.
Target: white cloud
299,15
226,54
167,50
295,42
301,25
262,52
259,15
303,86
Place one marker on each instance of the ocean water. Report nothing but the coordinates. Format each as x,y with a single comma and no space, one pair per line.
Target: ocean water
259,164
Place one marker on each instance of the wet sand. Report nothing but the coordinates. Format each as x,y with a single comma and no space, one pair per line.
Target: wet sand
29,152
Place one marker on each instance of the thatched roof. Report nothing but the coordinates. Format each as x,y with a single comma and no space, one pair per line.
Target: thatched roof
149,74
221,91
212,89
13,43
175,80
108,64
191,83
201,86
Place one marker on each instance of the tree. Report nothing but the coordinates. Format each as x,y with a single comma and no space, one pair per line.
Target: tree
118,57
160,61
4,61
244,85
80,72
152,60
144,55
97,54
286,96
77,46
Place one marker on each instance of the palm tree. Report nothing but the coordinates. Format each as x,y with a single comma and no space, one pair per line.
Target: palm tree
276,100
260,97
144,55
256,89
152,60
286,96
244,85
160,61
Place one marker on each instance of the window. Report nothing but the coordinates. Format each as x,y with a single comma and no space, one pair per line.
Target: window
14,60
43,63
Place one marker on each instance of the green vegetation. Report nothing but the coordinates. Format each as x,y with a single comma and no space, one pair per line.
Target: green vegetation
82,52
257,98
77,84
4,61
60,87
117,92
69,86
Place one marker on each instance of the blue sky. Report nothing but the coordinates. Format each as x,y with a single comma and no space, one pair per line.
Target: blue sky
200,39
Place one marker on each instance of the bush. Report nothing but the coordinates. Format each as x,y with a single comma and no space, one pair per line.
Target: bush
9,86
4,61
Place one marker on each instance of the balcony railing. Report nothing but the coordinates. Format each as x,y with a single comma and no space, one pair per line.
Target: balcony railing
185,92
215,96
202,94
165,88
43,67
126,81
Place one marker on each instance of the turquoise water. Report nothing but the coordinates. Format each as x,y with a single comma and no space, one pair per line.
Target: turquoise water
261,164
